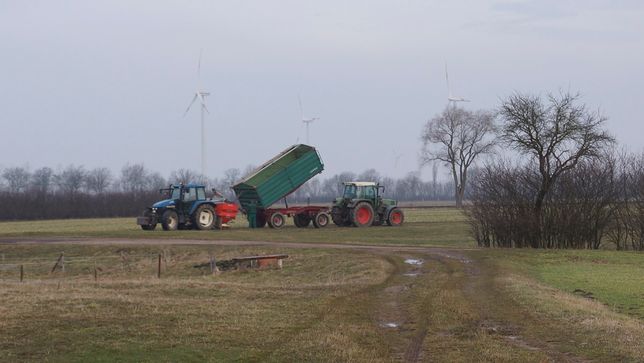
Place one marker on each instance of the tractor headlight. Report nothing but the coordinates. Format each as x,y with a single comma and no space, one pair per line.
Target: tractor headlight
154,210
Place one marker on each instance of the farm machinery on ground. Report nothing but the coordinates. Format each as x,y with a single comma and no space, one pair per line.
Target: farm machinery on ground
361,204
187,207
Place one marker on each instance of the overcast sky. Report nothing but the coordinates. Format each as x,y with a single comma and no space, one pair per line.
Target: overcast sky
104,83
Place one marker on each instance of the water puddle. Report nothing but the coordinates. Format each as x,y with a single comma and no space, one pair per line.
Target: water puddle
389,325
412,274
411,261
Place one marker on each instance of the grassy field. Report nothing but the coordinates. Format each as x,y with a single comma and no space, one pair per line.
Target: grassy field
326,304
427,227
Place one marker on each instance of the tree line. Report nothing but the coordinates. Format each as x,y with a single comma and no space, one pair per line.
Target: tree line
565,185
78,192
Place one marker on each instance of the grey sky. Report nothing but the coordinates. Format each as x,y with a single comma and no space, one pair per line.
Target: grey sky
105,83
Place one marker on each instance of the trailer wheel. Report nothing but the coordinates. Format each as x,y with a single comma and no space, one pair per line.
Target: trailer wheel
396,217
149,227
204,217
277,220
362,215
321,220
301,220
169,220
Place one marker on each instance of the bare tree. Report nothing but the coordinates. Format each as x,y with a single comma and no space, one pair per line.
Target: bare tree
457,137
184,176
231,176
134,178
156,181
98,180
369,175
557,133
17,178
42,179
71,179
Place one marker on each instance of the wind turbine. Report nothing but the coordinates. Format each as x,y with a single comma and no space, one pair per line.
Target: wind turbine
306,121
450,97
200,95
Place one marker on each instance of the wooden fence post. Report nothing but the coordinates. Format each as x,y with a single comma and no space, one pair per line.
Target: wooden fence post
159,268
95,272
22,273
58,261
62,255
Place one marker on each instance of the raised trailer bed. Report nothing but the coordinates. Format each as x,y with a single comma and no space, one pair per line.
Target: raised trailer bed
276,179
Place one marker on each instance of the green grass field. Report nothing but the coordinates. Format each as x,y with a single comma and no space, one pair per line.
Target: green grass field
426,227
326,304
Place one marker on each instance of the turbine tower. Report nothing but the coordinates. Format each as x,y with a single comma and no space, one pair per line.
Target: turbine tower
201,95
451,98
306,121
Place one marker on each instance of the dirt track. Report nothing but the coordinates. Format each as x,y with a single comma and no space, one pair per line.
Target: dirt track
402,305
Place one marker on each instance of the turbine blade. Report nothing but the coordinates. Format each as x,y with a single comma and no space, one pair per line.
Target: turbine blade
190,105
199,63
203,102
449,89
299,101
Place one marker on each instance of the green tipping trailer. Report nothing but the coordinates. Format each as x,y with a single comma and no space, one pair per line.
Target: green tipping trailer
273,181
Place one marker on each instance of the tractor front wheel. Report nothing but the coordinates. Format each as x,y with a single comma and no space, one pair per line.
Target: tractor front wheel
277,220
396,217
204,217
169,220
362,215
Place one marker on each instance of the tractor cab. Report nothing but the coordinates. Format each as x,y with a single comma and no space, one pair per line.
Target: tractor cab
362,205
362,190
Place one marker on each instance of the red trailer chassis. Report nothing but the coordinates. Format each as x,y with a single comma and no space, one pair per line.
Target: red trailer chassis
302,216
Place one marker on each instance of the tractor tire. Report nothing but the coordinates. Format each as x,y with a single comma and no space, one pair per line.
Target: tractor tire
336,216
169,220
362,215
321,220
277,220
149,227
396,217
301,220
204,217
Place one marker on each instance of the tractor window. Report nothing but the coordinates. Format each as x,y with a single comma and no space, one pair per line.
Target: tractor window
176,193
201,194
349,191
369,193
189,195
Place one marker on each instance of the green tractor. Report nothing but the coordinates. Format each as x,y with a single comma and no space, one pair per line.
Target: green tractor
362,205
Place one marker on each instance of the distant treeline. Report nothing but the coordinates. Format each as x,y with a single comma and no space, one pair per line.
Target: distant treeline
77,192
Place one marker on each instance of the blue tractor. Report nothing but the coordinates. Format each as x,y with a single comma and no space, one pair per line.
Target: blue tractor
187,207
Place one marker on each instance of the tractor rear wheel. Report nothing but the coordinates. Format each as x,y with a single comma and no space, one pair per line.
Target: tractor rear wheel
149,227
277,220
321,220
301,220
396,217
169,220
204,217
362,215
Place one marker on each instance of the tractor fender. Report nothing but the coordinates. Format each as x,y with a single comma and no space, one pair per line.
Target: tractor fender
198,203
353,203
